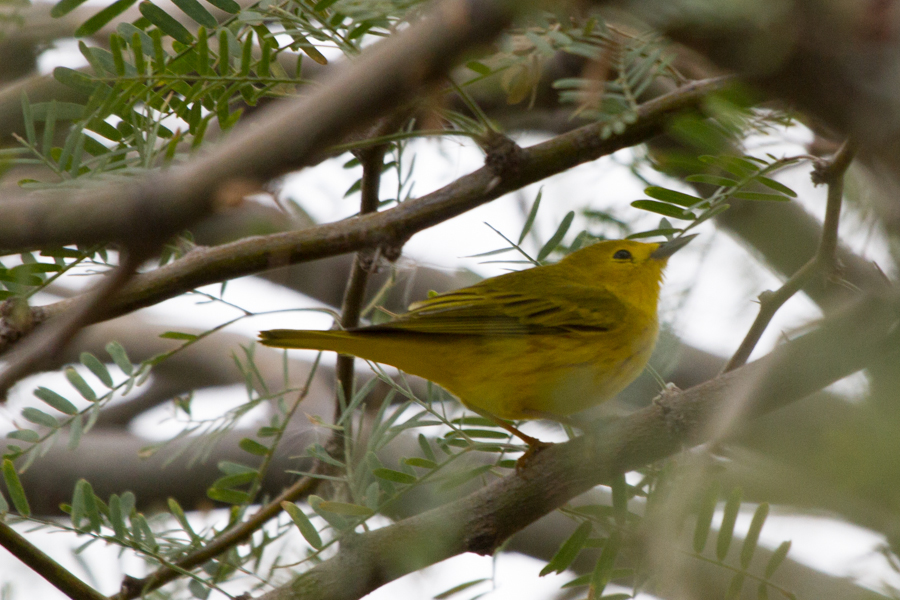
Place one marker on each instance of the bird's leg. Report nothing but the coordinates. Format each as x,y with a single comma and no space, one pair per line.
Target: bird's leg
534,444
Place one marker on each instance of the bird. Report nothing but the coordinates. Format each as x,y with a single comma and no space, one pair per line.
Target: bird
541,343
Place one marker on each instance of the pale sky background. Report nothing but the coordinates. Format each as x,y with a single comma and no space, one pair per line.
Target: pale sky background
718,277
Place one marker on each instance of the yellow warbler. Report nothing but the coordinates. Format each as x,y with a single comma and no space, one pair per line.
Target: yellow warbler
545,342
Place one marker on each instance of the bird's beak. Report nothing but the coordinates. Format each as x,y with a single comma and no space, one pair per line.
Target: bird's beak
667,249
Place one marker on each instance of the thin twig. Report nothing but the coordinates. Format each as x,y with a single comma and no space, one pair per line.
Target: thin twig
372,160
830,173
46,567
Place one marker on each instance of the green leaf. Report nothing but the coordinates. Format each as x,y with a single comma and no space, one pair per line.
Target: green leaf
39,417
301,43
426,448
233,468
96,23
84,506
394,476
705,517
557,237
345,509
568,550
117,517
307,529
65,7
64,111
777,558
25,435
229,6
128,31
53,399
253,447
603,570
236,480
532,214
778,187
166,23
726,530
96,367
115,48
177,335
142,532
76,429
80,384
752,539
119,356
74,79
422,463
735,587
474,65
671,196
178,513
195,10
661,208
14,488
227,496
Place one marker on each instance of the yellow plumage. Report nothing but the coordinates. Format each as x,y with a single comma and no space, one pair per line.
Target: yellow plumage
540,343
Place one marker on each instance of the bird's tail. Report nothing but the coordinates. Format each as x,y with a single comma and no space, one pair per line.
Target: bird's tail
335,341
407,352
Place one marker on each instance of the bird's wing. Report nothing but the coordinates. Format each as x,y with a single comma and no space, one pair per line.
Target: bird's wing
509,310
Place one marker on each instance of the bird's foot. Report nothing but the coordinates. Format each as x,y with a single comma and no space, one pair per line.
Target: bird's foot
534,447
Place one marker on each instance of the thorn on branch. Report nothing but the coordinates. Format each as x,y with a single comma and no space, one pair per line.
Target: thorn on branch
392,252
829,171
503,155
131,587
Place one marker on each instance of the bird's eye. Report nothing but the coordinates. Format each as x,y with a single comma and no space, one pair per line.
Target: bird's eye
622,255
